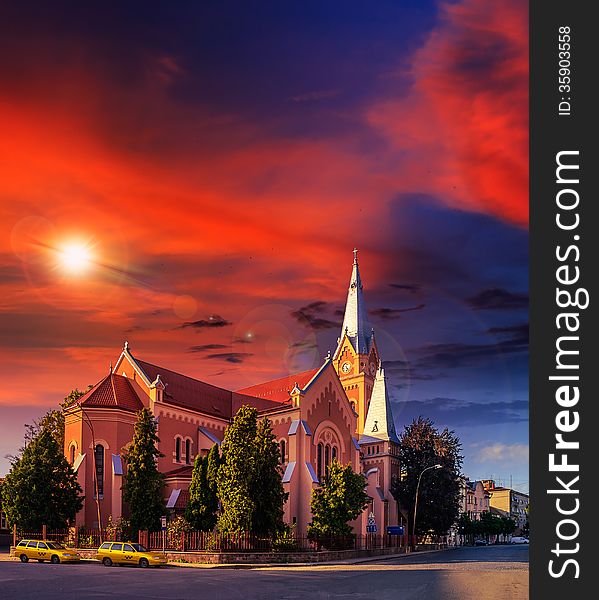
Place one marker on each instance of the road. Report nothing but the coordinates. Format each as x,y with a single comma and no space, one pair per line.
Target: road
483,573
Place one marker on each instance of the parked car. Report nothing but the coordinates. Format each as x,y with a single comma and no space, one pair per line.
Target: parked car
481,542
519,540
42,550
128,553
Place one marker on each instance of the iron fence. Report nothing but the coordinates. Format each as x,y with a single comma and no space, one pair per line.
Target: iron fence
202,541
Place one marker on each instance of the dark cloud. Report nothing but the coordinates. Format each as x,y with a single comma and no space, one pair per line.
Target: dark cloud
405,371
312,315
517,331
204,347
232,357
460,354
453,412
408,287
304,345
498,299
212,321
394,313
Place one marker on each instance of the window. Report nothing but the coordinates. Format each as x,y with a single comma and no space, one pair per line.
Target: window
42,545
32,545
334,453
187,451
72,454
178,449
99,462
319,462
118,547
128,548
327,459
105,546
283,452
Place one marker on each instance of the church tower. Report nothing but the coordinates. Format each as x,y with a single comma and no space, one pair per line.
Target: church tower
356,358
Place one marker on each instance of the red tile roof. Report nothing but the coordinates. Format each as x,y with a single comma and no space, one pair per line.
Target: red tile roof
190,393
278,390
184,471
114,390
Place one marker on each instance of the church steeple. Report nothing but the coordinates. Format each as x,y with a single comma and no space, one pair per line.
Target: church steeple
379,420
355,321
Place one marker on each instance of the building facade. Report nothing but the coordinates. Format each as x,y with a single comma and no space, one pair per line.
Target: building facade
339,410
475,499
508,502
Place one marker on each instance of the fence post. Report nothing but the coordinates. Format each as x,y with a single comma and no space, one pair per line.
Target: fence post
182,541
14,534
44,532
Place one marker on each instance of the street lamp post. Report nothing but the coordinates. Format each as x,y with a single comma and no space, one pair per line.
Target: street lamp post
416,499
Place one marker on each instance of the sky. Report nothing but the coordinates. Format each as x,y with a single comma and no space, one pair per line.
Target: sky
219,161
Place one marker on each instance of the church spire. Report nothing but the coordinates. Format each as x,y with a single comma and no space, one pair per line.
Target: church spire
355,321
379,420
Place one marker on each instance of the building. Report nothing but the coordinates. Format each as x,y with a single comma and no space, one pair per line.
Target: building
475,499
508,502
340,409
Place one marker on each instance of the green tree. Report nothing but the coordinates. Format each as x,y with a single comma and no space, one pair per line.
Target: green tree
421,446
490,524
237,471
508,526
268,493
339,499
213,465
41,487
143,486
203,503
466,527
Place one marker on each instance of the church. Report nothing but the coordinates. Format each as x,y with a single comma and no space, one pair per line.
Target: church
340,410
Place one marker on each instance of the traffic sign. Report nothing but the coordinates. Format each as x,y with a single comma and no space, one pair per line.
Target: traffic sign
394,530
163,523
371,528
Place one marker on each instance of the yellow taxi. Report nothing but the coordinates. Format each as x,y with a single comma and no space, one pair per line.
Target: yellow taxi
42,550
128,553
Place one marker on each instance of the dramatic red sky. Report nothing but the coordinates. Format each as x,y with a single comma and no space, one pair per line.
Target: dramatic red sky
221,164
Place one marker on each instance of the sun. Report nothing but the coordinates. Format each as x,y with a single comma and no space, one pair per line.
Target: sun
75,257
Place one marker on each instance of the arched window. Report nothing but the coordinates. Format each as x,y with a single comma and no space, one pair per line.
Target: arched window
178,449
283,452
327,459
187,451
72,454
319,462
334,453
99,464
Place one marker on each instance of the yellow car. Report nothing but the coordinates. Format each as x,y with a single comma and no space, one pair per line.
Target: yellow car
42,550
128,553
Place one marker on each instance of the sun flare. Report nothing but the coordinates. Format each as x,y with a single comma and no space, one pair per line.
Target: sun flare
75,257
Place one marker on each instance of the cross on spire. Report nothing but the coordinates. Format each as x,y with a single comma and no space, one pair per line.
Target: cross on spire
355,321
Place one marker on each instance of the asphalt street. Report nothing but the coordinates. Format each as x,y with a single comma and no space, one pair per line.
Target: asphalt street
481,573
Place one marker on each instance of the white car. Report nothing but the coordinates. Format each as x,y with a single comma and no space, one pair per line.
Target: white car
519,540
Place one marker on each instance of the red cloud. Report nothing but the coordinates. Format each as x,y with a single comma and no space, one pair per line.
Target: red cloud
462,132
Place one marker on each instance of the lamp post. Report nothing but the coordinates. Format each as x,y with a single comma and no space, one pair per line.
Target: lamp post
416,499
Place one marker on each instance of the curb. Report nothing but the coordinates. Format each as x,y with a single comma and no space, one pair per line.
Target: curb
348,562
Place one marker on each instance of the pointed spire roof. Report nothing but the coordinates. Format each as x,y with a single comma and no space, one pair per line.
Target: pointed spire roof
355,321
379,420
